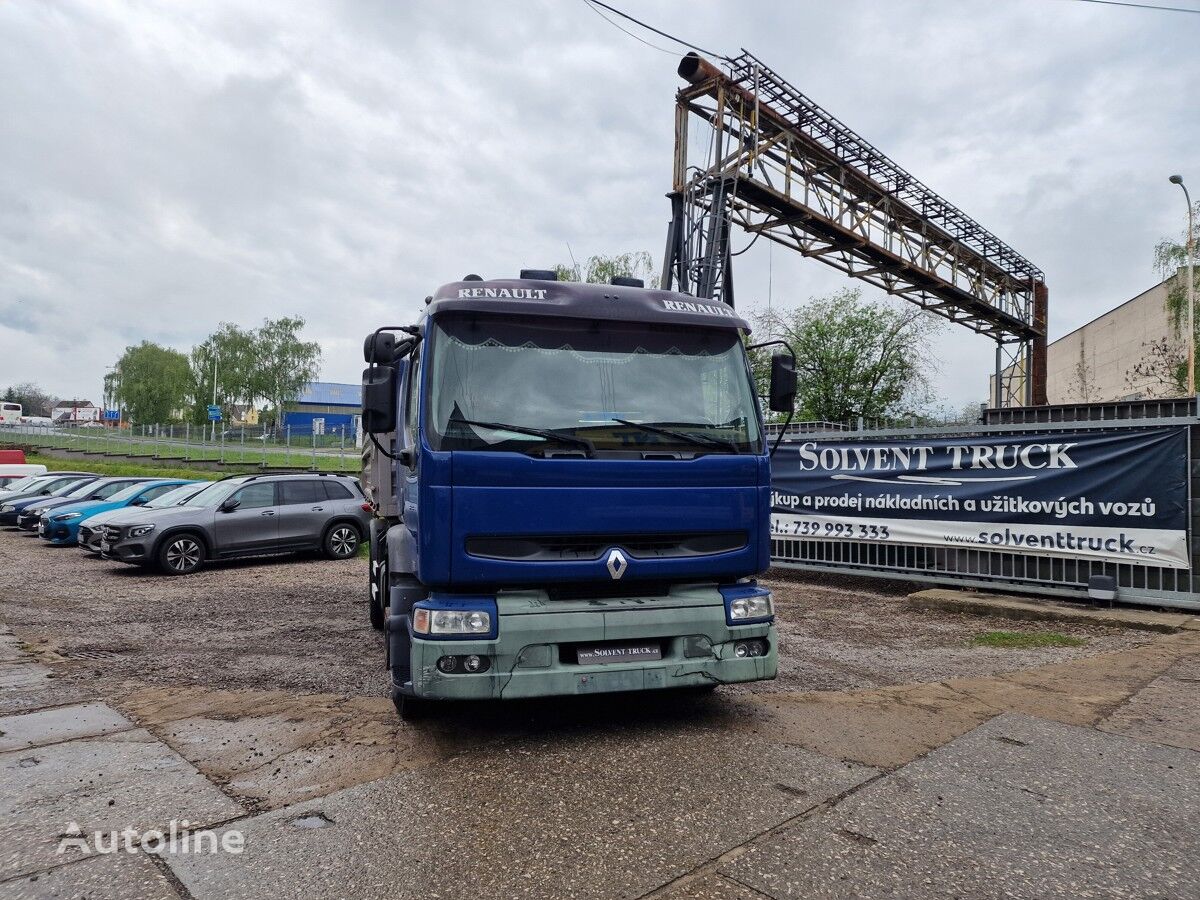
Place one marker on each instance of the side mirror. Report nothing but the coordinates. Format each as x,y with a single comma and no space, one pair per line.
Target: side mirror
783,384
380,347
379,399
229,504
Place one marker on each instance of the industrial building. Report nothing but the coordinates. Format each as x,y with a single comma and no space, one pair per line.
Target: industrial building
1123,354
325,407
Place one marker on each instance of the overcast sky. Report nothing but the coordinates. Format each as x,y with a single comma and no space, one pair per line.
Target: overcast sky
168,166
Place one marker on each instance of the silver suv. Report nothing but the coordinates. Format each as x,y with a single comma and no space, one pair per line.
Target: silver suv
244,515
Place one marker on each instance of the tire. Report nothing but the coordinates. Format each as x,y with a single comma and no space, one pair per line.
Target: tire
341,541
378,575
181,554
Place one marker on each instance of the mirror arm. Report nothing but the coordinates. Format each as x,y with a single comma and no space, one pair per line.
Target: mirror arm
775,343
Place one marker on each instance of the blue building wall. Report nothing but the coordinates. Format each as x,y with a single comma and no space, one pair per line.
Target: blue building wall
338,404
300,421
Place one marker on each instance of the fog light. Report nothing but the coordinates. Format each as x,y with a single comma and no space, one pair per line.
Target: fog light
447,664
743,649
474,664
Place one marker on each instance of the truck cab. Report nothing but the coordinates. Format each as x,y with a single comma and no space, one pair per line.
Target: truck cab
571,486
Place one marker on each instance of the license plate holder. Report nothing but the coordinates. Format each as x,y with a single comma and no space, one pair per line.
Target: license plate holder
607,654
105,546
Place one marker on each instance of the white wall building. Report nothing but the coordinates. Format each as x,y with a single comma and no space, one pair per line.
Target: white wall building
73,412
1099,362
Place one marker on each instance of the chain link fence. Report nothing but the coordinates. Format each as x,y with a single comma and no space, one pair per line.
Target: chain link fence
332,448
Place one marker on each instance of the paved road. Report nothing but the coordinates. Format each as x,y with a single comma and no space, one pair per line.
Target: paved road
736,805
130,702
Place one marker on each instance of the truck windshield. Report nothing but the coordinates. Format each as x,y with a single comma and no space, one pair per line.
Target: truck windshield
619,385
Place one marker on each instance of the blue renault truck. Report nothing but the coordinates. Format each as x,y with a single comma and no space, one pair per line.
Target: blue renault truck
571,486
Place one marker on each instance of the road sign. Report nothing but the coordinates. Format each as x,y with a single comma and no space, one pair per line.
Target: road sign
112,415
214,413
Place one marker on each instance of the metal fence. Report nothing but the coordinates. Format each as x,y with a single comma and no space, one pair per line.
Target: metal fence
1005,570
330,449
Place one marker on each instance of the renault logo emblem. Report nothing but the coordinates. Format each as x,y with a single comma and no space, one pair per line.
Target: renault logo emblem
617,564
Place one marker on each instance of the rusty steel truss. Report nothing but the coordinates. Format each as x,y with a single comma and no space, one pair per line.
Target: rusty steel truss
779,166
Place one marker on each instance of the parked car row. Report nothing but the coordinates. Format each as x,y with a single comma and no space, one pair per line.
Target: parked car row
178,525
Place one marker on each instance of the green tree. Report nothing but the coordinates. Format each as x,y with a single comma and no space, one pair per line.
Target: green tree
1166,365
602,269
854,357
150,382
34,401
268,364
234,352
283,363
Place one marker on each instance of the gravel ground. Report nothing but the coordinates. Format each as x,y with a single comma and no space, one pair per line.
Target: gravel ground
299,625
840,633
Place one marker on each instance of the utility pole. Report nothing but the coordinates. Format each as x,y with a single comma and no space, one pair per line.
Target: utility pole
1191,287
214,424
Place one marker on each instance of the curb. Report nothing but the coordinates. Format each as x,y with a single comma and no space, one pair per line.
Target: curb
1039,610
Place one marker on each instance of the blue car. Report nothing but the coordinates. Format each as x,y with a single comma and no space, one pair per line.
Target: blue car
60,525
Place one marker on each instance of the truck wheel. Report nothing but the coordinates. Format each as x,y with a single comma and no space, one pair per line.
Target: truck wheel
341,541
181,554
377,600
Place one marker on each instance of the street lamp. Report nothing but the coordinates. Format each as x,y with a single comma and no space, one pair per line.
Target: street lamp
1191,287
214,421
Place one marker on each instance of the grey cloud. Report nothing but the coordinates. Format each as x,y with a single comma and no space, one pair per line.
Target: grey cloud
166,167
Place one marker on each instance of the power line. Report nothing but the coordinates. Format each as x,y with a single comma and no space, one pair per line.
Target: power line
659,32
618,26
1182,9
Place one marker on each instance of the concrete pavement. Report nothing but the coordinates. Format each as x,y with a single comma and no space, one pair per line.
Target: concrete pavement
1072,779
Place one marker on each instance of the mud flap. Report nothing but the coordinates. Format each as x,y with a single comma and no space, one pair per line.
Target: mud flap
403,593
399,650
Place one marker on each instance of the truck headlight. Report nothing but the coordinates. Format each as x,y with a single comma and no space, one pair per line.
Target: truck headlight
66,517
451,621
751,608
140,530
746,604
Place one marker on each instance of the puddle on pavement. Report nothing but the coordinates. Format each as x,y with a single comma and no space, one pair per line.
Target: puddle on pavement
313,820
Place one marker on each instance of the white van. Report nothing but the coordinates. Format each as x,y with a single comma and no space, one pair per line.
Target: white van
10,472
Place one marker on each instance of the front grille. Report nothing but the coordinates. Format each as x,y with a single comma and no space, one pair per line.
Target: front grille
560,548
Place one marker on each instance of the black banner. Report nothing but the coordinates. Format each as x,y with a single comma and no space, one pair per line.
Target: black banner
1117,495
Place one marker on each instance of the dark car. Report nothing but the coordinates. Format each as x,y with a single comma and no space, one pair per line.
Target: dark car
100,489
39,484
245,515
11,507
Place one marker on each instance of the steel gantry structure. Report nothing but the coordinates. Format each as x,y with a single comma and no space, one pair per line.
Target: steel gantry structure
781,167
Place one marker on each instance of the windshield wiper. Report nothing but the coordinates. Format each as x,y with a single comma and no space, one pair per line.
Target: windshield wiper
536,432
700,440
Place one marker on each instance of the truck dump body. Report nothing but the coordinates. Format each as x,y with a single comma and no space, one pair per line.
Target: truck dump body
583,493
